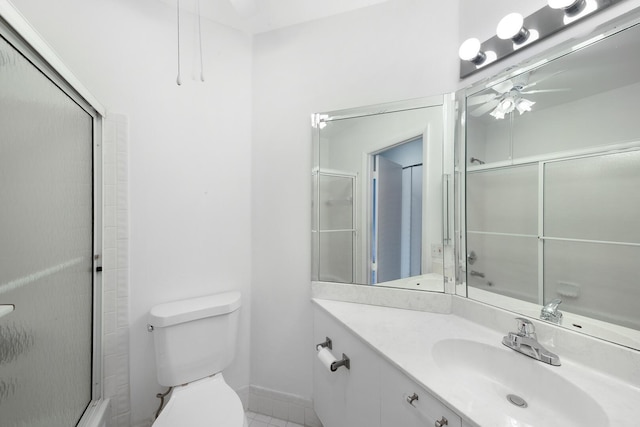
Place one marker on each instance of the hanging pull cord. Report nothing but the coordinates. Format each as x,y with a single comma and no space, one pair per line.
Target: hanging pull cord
200,40
179,79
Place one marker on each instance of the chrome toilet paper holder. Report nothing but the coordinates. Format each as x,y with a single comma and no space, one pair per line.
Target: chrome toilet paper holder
327,343
346,362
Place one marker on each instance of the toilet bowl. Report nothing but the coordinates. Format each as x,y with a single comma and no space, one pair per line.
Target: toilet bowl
208,402
194,341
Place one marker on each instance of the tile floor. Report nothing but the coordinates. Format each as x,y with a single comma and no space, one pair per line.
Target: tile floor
259,420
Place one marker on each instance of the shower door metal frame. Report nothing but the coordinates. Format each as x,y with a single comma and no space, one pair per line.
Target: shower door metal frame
19,33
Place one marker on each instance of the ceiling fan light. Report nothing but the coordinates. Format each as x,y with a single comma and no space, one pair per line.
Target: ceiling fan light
507,105
497,114
524,105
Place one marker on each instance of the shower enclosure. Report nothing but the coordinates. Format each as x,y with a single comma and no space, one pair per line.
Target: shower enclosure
50,222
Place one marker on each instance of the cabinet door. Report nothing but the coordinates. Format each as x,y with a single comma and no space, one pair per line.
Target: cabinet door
363,387
346,397
395,409
329,388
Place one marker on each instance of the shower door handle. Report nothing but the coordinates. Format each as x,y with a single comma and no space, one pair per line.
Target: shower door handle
6,309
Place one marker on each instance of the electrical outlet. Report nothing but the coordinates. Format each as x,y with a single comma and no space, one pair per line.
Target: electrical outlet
436,250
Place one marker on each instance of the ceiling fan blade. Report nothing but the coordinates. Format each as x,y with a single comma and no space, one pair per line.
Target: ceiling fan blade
545,91
541,79
481,99
503,87
483,109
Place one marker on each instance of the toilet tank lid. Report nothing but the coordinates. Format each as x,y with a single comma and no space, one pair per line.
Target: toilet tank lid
175,312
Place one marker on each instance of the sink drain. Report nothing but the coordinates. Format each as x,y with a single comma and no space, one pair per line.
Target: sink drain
517,400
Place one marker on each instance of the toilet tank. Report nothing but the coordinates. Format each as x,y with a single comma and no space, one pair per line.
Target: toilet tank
194,338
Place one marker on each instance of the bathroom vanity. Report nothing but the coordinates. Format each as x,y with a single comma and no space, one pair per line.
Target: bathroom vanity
533,203
374,391
417,368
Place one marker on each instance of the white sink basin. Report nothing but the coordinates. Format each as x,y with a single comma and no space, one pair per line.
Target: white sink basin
484,375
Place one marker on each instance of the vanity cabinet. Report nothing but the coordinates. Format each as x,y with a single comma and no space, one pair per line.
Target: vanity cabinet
373,392
346,397
405,403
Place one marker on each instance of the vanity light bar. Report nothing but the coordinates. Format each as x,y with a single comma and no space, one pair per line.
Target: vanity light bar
516,32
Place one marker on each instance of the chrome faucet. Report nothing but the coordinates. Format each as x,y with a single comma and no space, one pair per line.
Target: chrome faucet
525,341
550,312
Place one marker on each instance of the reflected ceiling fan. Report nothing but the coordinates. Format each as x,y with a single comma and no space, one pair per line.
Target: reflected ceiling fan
507,96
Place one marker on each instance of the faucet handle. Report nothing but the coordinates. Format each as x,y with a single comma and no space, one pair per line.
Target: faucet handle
553,305
550,311
525,327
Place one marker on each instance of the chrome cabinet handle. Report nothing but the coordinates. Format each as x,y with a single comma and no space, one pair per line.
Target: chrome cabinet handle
442,422
412,398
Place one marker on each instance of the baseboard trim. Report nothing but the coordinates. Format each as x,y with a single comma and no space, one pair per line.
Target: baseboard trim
284,406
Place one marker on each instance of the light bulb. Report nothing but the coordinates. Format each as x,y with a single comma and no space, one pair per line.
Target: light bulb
570,7
507,105
470,51
533,36
562,4
524,105
497,114
512,27
584,8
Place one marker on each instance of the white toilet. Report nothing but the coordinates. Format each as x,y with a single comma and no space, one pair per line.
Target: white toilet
195,340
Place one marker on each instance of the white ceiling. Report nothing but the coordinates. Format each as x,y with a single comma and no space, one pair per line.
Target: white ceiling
257,16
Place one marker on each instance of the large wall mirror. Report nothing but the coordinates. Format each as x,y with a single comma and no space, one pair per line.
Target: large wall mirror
377,195
551,156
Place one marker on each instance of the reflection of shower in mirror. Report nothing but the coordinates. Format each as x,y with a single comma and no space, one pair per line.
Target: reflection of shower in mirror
553,211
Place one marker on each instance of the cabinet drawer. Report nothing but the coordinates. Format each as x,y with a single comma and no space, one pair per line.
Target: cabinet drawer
395,409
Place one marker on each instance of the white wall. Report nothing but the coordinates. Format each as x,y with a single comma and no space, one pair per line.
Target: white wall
396,50
189,155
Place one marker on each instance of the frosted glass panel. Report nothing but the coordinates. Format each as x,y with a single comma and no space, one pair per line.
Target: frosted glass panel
503,200
507,265
45,249
336,202
574,272
336,257
594,198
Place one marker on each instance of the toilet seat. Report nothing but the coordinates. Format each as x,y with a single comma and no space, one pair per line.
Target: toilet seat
208,402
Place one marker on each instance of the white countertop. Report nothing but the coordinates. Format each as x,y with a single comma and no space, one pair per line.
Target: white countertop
406,338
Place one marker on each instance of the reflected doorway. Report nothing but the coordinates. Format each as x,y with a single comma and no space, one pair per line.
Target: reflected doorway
396,211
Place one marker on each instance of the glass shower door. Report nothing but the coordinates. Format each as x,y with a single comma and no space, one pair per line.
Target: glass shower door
46,248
